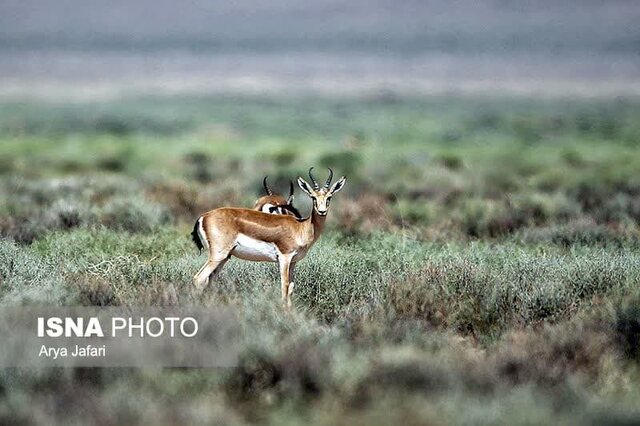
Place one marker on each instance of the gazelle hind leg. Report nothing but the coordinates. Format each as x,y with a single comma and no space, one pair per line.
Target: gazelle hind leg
219,252
212,267
208,272
217,269
201,278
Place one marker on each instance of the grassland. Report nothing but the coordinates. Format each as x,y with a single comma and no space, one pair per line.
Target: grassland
480,267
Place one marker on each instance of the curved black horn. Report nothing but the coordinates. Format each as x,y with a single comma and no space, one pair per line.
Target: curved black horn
313,180
290,189
266,187
328,182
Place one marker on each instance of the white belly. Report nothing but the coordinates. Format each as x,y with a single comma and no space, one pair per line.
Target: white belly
251,249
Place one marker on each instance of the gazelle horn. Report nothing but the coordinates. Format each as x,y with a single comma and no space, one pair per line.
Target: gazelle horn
316,186
266,187
328,182
290,189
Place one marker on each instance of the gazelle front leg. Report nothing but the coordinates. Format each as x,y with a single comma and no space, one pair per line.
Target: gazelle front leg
292,267
286,287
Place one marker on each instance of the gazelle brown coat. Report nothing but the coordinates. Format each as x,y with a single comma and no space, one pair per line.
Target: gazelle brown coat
261,237
270,203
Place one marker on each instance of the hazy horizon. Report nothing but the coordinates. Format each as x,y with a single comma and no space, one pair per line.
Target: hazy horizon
97,48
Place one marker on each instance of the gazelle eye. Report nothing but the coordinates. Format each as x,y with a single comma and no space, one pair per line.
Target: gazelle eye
328,201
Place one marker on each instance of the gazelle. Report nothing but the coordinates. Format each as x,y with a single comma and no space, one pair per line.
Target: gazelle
260,237
270,203
276,204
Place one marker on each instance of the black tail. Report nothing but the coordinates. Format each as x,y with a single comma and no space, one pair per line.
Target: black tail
196,237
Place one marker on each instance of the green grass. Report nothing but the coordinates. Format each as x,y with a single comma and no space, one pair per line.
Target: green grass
481,265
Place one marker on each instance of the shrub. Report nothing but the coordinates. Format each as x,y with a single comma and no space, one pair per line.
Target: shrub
548,357
298,371
346,163
486,218
28,279
581,233
494,218
400,377
366,214
626,324
134,215
451,161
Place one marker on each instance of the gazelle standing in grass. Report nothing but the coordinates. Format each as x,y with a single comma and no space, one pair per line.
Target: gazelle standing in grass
261,237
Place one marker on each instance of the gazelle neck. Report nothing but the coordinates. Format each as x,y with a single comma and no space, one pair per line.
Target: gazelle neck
317,221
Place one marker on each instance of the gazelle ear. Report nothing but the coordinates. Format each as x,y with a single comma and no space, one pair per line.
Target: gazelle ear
338,185
305,186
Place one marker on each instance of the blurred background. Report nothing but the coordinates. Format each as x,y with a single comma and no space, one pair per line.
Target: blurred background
481,265
415,101
96,49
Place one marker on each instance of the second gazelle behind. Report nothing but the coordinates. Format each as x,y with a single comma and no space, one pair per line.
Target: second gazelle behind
261,237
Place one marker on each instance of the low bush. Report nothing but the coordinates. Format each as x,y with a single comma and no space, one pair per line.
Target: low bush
134,215
26,278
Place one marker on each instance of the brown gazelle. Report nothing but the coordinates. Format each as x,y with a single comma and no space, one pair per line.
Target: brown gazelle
276,204
261,237
270,203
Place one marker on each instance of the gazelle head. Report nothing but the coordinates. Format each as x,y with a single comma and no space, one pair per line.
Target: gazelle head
321,195
276,204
